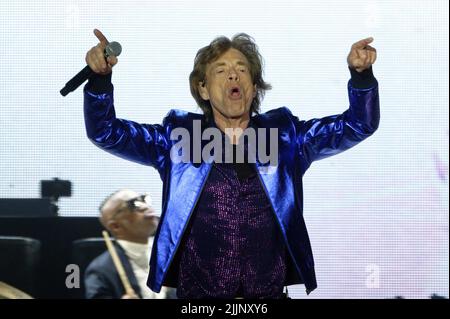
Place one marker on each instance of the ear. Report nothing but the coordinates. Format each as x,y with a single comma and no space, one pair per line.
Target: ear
114,227
203,90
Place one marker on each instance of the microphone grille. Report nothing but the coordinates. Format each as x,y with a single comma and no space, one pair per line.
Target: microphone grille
113,48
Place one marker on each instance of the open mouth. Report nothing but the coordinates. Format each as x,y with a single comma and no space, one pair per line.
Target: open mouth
235,92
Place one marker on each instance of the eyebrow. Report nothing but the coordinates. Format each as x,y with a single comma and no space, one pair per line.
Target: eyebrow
217,64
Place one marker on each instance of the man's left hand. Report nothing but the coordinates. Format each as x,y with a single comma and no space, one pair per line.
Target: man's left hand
362,55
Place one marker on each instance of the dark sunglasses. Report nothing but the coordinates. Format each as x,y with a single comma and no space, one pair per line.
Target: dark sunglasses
135,204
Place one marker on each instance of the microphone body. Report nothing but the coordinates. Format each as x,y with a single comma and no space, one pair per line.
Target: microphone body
77,80
112,49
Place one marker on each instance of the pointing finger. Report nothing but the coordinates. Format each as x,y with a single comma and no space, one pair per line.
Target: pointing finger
362,43
101,37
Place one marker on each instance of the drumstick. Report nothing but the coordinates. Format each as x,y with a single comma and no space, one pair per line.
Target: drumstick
123,276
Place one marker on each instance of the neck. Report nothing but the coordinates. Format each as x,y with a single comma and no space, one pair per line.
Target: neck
232,127
138,240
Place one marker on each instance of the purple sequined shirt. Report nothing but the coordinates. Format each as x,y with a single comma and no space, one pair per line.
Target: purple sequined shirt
233,247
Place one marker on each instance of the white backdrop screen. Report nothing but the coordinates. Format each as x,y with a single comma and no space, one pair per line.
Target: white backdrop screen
377,214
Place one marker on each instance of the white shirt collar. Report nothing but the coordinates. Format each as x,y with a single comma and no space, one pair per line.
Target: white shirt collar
137,251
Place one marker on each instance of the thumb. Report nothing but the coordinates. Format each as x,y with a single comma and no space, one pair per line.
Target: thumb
101,37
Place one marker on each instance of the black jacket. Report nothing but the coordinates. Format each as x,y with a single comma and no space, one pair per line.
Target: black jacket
102,281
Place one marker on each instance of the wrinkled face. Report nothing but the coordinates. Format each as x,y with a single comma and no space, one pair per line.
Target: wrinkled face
229,86
134,222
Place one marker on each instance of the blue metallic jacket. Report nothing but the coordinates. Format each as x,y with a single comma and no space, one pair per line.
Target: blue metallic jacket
299,144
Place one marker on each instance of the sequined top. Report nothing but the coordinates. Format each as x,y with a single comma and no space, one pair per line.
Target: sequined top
234,247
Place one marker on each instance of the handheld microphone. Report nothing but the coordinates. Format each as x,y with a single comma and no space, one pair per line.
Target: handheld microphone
112,49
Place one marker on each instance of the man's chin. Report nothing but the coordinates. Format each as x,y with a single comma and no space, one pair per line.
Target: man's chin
238,113
232,110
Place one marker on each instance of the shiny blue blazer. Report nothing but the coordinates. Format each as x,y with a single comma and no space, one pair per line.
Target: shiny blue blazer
299,144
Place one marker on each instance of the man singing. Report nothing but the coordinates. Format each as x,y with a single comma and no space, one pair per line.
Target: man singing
232,228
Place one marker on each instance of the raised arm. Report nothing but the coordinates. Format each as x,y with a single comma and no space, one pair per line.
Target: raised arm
141,143
320,138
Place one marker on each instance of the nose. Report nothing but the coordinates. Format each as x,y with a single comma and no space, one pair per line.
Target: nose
233,75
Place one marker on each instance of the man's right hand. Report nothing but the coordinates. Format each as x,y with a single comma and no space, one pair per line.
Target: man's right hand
95,57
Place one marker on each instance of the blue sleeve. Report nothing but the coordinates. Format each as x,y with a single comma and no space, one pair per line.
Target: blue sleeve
323,137
142,143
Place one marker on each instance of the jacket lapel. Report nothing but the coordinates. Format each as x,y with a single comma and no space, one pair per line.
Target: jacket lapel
128,270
